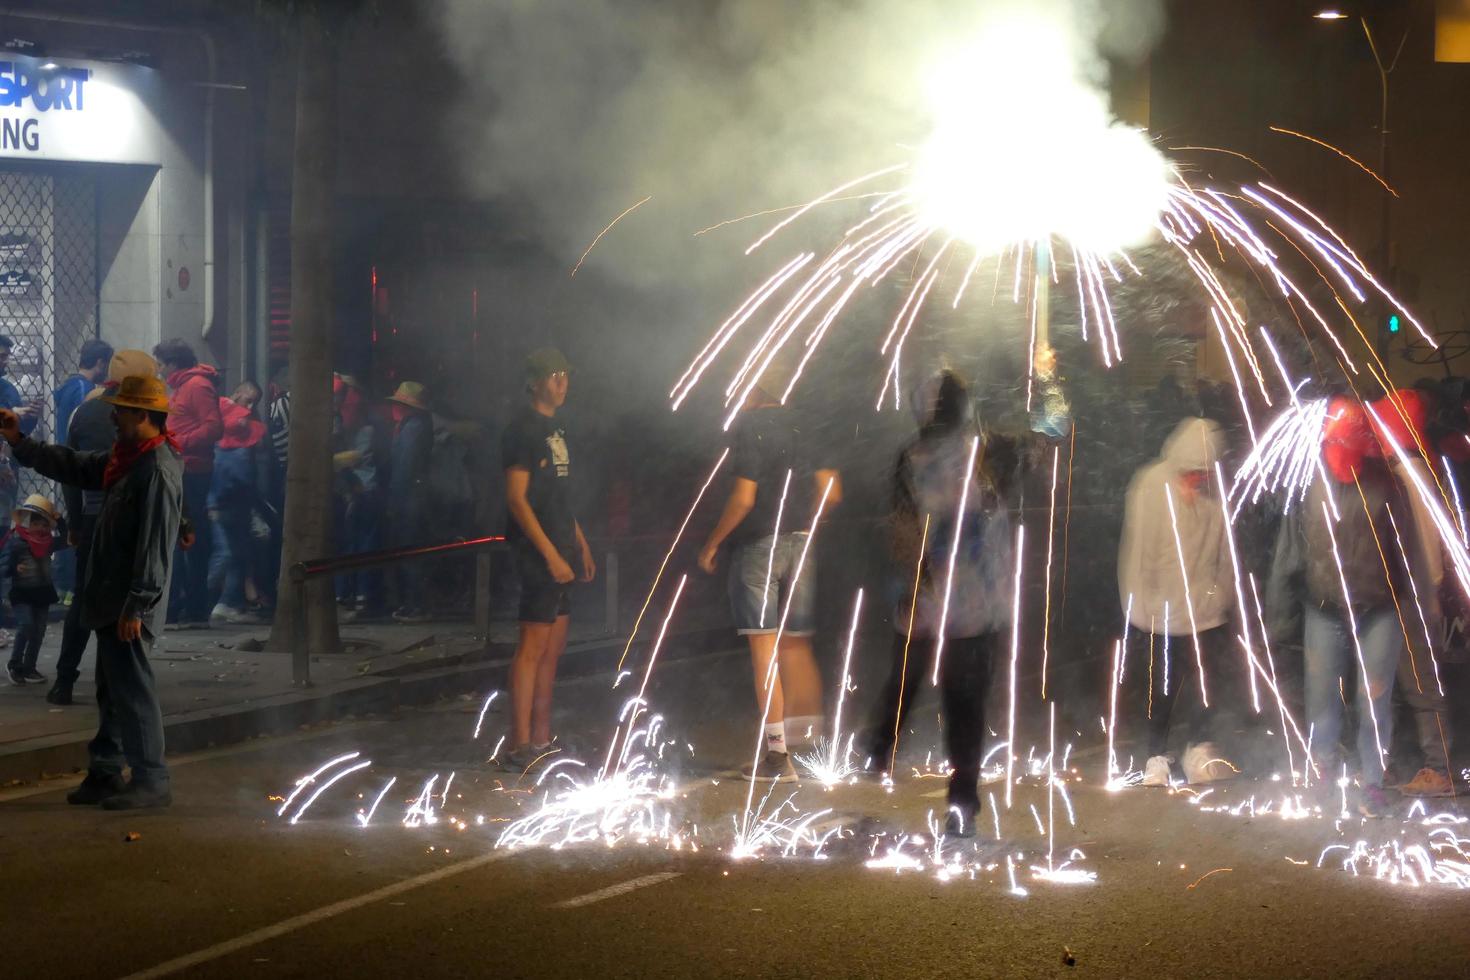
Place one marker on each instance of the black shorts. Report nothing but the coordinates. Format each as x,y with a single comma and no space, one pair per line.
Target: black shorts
543,599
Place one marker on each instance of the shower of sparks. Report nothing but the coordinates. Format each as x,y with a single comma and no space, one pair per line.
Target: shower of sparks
954,551
751,825
633,634
358,767
604,232
1015,662
1199,655
1340,152
832,760
480,720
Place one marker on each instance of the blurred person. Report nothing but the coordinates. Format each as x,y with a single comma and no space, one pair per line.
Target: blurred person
196,426
546,539
775,460
359,437
1172,607
233,500
28,413
123,595
408,511
974,565
1403,419
91,369
91,431
25,571
1332,586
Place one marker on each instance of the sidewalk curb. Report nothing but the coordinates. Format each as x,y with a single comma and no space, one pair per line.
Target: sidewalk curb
402,686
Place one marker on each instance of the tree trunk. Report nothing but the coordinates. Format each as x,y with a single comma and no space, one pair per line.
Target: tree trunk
307,530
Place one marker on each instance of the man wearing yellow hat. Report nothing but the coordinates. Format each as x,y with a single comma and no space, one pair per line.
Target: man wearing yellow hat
122,594
90,430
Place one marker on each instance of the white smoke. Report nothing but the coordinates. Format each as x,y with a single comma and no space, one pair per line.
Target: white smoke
576,109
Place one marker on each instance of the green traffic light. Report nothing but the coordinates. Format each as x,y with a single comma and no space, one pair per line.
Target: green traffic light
1393,323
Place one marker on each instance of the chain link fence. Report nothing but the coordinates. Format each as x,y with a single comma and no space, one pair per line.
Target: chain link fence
48,287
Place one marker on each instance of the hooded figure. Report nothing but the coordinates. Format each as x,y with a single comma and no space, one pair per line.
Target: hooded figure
1177,583
955,488
1151,583
1339,576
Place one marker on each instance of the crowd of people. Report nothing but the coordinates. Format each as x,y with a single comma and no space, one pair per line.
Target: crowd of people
172,492
1353,579
233,447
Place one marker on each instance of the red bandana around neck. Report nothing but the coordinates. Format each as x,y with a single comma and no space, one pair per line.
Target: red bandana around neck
39,538
124,455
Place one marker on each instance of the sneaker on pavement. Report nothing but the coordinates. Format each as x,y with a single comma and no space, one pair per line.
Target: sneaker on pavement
16,675
139,797
34,676
59,694
229,614
774,767
1156,771
1374,802
95,788
960,816
1428,783
520,758
1203,763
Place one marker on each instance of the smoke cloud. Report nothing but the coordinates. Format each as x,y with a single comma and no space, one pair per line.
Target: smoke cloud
572,110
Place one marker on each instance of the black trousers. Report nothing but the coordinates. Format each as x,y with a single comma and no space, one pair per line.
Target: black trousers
964,684
74,635
1159,686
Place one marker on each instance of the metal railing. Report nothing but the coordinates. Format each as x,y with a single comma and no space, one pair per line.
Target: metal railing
303,572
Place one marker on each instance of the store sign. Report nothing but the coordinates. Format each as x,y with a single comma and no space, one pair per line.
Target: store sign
93,112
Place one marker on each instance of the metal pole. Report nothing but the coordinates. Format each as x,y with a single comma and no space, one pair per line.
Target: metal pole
610,594
300,657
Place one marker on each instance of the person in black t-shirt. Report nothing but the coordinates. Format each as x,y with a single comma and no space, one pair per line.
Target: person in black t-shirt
546,539
768,518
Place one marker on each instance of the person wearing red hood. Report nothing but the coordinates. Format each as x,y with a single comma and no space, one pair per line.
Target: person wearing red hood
233,498
1402,421
1334,583
195,423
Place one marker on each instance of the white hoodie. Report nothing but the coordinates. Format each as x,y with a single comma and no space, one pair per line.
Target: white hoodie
1148,558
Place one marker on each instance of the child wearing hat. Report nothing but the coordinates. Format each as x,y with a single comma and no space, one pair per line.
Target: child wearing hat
25,566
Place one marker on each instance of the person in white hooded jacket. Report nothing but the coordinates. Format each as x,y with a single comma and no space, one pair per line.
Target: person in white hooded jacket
1178,588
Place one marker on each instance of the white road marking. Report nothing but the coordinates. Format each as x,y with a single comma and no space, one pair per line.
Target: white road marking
613,891
287,926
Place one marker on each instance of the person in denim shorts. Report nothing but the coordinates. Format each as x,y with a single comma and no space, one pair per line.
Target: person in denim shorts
768,519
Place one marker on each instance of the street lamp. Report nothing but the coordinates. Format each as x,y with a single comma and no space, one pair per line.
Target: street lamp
1384,70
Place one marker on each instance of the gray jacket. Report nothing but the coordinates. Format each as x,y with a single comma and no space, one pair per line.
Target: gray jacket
133,543
1367,559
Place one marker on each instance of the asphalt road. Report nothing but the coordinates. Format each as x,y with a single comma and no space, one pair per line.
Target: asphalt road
218,885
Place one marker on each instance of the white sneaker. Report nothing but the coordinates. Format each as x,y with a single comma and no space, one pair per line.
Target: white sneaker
1203,763
1156,771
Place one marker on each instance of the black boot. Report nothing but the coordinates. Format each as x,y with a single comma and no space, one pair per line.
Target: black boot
60,693
139,796
95,788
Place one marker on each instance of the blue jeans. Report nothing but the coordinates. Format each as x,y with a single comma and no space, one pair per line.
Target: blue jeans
233,557
189,600
130,723
30,630
1330,660
763,581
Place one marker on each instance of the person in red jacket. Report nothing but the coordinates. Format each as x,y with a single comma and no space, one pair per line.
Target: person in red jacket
195,423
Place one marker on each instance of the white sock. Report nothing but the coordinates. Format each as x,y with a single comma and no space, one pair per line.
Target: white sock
776,737
805,728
